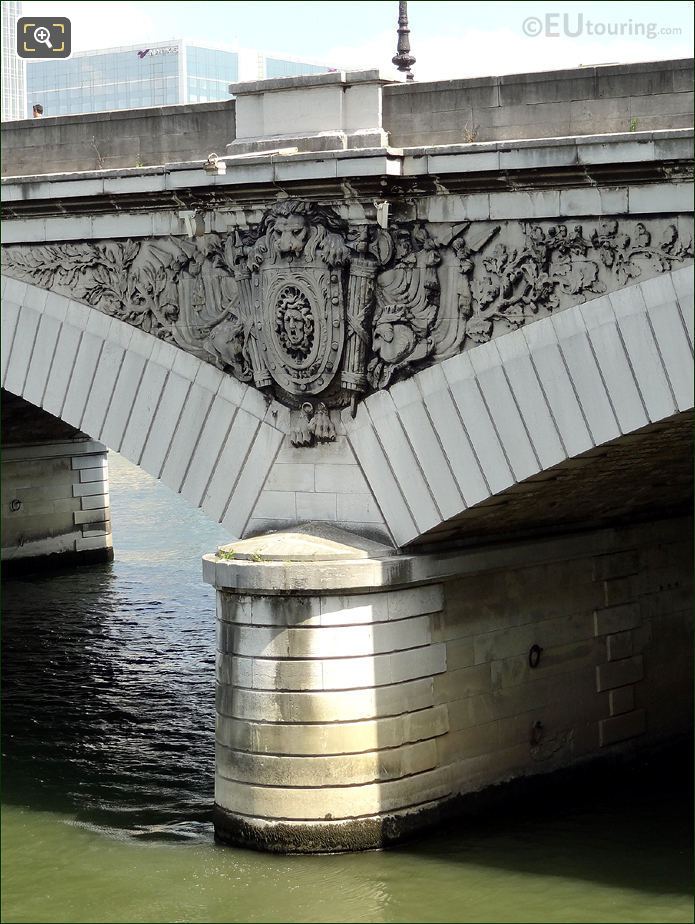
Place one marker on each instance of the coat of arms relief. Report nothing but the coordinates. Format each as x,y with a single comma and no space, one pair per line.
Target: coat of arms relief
317,312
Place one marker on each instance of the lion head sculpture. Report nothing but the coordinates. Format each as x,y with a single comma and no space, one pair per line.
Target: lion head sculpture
294,228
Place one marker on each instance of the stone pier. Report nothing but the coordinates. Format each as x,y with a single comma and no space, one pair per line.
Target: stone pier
363,694
55,492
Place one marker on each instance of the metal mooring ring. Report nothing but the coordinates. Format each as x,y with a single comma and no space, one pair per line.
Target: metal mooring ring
534,656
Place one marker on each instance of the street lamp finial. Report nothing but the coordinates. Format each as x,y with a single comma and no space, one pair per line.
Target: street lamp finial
403,59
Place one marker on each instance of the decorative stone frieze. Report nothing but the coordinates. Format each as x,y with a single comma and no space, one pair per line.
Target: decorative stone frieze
317,311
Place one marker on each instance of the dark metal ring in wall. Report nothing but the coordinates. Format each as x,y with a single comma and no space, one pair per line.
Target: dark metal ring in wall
534,656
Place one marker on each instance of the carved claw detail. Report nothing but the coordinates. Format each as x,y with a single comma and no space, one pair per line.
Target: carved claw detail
302,434
322,425
313,426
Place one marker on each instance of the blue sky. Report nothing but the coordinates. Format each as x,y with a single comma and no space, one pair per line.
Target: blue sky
449,39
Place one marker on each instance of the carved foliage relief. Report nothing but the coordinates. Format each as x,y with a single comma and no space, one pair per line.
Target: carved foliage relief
306,306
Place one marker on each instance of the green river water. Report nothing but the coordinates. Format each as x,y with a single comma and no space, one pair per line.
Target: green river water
107,743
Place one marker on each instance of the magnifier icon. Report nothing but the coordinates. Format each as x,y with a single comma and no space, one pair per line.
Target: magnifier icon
43,36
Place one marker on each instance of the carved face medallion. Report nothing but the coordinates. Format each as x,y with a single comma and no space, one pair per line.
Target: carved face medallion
294,322
301,329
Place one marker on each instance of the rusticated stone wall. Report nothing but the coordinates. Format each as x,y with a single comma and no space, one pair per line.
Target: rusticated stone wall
55,491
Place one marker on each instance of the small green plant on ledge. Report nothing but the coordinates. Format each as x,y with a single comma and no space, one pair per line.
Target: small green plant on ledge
633,124
139,162
228,556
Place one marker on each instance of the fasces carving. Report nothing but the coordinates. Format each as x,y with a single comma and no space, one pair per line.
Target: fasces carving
317,311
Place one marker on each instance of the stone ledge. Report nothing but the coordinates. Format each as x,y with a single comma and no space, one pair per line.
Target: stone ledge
390,569
81,446
308,81
418,151
599,70
318,542
144,112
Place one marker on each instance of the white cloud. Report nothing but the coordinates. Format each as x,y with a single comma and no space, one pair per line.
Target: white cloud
477,53
105,24
468,53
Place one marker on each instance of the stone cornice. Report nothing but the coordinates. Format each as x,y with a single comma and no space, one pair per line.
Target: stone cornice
391,174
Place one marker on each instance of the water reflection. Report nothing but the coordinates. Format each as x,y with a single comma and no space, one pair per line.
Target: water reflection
108,674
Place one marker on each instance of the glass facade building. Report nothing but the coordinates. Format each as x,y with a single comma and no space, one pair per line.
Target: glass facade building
160,74
13,95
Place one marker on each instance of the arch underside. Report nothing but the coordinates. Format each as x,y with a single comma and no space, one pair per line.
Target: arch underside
575,418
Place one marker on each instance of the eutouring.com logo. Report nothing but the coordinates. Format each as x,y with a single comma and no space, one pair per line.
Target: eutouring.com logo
573,25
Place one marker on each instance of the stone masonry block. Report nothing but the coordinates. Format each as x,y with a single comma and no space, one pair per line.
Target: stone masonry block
284,675
617,619
358,508
414,602
619,590
619,564
333,738
91,516
505,643
89,475
353,610
332,706
94,542
90,488
660,197
619,646
622,727
312,506
619,673
621,700
293,477
325,770
337,801
90,462
342,479
95,502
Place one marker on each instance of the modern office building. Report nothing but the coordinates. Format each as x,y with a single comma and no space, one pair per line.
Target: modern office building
13,90
158,74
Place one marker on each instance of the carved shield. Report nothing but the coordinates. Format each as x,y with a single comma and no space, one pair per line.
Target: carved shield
302,325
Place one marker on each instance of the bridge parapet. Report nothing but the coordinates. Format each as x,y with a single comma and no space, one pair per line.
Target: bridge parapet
614,99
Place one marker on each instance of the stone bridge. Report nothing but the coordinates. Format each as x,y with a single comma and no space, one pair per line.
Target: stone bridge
441,393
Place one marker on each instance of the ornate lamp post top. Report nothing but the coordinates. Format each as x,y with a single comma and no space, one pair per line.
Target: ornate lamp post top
403,59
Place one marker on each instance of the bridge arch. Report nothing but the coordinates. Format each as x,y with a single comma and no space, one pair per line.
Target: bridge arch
204,434
474,426
432,448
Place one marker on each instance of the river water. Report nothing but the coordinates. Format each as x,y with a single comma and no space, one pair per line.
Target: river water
108,728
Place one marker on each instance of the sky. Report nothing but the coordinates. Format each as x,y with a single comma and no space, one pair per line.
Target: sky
449,39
